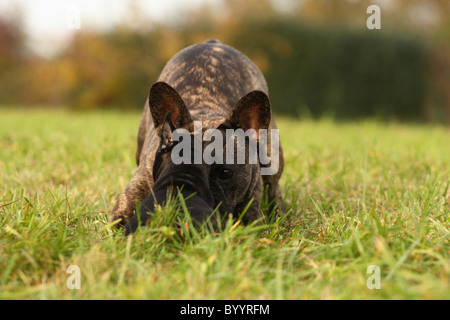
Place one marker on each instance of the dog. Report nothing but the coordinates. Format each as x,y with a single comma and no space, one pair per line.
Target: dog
191,180
220,88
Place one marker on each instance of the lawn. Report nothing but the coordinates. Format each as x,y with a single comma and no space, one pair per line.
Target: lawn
358,194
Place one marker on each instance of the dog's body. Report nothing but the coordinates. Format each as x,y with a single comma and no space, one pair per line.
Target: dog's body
219,86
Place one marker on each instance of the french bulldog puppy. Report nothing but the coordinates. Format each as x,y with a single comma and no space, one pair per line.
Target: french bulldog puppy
207,86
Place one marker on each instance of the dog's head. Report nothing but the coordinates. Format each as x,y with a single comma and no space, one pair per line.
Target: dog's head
230,171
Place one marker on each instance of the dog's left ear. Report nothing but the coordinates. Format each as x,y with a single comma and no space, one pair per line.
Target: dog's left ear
251,112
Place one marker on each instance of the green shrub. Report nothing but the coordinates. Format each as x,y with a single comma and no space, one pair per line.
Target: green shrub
343,73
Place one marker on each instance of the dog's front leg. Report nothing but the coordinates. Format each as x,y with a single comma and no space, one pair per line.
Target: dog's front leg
135,192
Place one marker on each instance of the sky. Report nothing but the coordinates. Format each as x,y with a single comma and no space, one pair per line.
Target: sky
49,22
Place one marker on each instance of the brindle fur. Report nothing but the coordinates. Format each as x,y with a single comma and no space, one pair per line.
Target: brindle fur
210,79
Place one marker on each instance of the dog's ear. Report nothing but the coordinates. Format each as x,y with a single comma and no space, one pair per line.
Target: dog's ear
163,99
251,112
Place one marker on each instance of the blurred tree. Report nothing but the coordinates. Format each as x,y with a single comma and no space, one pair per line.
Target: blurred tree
333,12
12,40
318,58
12,55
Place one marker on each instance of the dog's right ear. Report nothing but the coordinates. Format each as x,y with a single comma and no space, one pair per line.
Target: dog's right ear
164,99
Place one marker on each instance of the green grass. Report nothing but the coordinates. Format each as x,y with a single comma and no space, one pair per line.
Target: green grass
358,194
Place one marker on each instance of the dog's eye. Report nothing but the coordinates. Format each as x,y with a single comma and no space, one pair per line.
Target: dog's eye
225,174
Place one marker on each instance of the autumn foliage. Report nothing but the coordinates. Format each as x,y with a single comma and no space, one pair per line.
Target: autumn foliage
320,60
